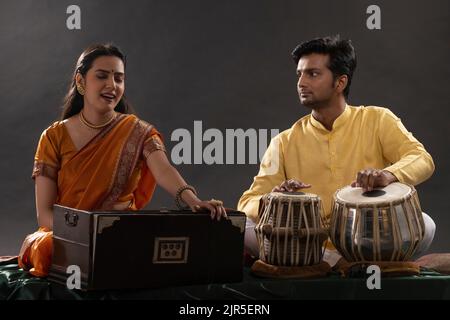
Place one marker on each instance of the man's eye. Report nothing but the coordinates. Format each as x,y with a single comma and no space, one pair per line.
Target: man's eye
314,74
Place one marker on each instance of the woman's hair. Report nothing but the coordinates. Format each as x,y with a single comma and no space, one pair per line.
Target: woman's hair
73,101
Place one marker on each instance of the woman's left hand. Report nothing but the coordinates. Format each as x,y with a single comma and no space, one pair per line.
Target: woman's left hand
214,206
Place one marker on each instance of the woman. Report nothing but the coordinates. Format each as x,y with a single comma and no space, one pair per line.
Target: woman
99,156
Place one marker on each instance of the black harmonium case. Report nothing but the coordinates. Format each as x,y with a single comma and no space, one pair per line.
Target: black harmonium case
146,249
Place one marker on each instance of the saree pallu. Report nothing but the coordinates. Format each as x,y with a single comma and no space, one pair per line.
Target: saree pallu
109,169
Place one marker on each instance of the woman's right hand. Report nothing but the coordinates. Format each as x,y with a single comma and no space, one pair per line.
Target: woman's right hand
215,207
291,185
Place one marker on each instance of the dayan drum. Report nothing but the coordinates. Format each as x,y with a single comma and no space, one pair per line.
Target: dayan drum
290,230
385,224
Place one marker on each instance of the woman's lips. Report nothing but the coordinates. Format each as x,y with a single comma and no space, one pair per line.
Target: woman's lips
108,97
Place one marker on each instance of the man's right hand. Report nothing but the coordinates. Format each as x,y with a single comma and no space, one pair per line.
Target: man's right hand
291,185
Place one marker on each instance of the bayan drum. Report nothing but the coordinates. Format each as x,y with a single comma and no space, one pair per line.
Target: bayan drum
385,224
290,230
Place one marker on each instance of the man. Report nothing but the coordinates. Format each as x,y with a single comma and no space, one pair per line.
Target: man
337,144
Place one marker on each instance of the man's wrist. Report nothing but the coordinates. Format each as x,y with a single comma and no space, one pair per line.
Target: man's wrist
390,176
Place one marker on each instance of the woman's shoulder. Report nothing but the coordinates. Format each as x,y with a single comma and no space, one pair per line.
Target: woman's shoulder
55,130
146,126
141,122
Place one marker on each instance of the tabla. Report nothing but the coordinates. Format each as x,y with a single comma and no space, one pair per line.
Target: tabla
385,224
290,230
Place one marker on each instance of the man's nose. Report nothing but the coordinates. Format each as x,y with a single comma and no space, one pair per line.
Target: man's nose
301,81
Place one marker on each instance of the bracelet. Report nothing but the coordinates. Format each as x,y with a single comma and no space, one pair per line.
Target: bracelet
179,200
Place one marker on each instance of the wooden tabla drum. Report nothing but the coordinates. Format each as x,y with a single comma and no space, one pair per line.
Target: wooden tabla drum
290,230
385,224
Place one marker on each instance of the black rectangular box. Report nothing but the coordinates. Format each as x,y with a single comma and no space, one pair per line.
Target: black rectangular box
146,249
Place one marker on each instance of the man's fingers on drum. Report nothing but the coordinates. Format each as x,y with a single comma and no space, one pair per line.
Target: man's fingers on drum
284,185
365,185
295,184
370,181
358,178
298,184
380,179
291,185
364,179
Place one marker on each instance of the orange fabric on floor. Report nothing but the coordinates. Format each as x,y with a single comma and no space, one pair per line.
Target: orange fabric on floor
36,253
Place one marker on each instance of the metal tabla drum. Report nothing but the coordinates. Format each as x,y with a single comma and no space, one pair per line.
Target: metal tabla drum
290,231
385,224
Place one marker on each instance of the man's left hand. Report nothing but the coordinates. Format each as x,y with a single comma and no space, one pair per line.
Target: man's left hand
373,178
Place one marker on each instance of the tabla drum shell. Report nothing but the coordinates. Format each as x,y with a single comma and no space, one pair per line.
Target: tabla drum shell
385,224
290,230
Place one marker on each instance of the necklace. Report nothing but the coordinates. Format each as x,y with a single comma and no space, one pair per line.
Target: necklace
90,125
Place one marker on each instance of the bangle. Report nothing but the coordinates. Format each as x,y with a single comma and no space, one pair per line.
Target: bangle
179,200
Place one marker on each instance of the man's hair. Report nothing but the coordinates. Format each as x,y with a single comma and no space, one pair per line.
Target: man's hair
341,52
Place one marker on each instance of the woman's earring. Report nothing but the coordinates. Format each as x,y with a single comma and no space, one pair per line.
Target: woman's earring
80,89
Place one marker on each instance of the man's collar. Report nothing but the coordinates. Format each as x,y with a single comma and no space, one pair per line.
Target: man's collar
339,122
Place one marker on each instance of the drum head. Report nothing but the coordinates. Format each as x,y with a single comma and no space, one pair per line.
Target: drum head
300,196
390,193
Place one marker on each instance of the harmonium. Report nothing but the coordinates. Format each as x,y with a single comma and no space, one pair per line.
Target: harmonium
145,249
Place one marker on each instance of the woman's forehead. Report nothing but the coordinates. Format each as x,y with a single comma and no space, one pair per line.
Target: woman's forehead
109,64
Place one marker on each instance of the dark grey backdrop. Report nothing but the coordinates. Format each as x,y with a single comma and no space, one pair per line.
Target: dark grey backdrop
226,63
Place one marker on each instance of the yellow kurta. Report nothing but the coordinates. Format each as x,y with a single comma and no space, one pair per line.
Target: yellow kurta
361,137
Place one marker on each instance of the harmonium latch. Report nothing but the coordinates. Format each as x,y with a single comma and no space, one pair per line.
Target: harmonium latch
71,218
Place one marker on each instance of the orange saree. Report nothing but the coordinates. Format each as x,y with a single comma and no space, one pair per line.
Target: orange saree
109,170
